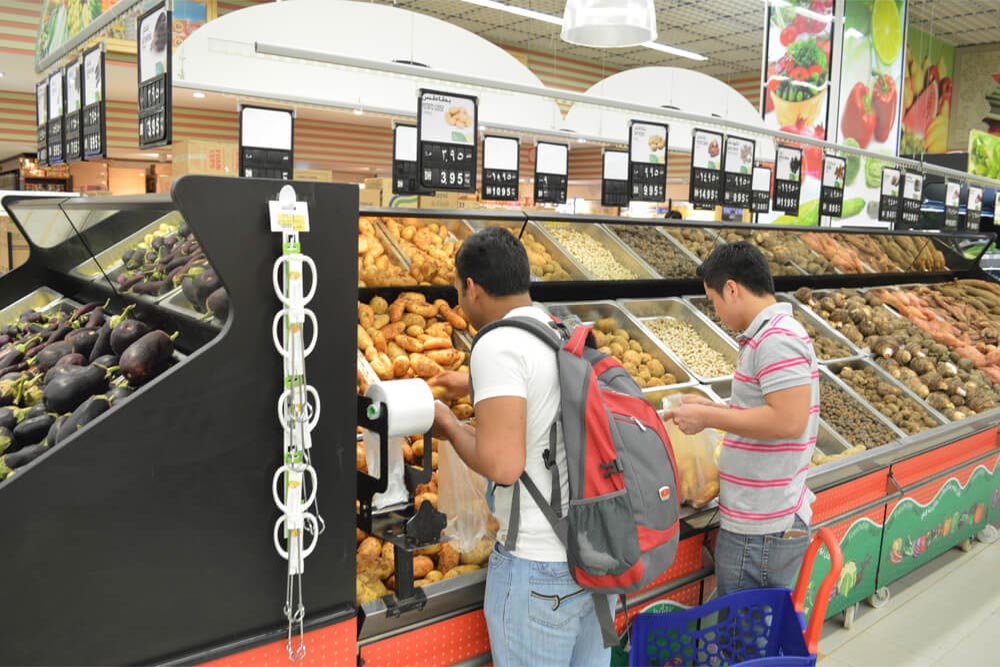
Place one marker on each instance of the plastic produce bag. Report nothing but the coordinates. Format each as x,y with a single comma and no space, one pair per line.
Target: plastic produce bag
697,459
462,498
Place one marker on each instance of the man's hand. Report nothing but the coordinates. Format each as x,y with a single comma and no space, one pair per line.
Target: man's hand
444,421
449,385
689,417
697,399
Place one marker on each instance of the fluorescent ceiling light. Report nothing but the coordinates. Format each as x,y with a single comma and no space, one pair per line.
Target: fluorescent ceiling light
556,20
1,75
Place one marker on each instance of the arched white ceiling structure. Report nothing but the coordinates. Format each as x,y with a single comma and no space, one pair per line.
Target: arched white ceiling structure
671,88
220,56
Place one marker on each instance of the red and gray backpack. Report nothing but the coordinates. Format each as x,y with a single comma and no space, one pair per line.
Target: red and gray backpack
621,530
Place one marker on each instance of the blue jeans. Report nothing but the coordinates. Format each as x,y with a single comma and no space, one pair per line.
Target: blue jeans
537,615
758,561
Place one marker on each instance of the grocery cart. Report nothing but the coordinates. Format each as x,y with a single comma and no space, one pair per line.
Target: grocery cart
761,626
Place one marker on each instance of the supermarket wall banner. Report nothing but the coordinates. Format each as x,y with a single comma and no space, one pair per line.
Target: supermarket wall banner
788,180
647,162
913,194
927,91
974,208
62,20
952,201
984,154
501,164
94,117
41,120
404,161
976,95
706,169
888,201
760,201
831,199
74,104
737,182
267,138
614,178
551,172
446,133
56,111
154,54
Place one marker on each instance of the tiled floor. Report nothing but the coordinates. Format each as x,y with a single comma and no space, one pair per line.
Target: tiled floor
947,613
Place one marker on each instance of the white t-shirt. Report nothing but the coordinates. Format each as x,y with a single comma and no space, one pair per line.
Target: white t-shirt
512,362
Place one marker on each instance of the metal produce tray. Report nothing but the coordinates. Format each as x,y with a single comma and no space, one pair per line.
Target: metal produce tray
458,230
39,299
683,251
622,254
797,270
862,363
649,310
110,258
591,311
575,271
176,302
708,232
395,255
693,301
823,327
828,377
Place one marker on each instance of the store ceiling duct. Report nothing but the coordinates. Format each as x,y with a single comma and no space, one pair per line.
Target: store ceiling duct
221,56
609,23
673,89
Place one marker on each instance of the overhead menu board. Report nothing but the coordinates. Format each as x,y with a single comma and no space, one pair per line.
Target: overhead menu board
154,55
405,178
42,120
952,200
973,209
501,163
913,193
706,169
94,117
788,180
73,122
614,179
551,173
760,200
267,138
647,168
831,197
738,172
56,110
446,131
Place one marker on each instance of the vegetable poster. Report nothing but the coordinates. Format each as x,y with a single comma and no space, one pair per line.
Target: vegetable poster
984,154
927,88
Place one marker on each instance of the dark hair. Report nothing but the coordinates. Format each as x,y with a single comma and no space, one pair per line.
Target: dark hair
740,262
496,261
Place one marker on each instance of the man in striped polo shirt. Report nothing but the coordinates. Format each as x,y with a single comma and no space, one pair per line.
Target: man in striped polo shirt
770,426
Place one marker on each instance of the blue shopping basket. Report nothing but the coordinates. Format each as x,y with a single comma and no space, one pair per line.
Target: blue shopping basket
762,626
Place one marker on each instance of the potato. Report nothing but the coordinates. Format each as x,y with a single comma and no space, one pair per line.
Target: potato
414,332
376,567
421,566
381,321
360,535
364,340
389,553
370,547
480,553
407,453
432,550
414,320
460,570
463,411
492,524
379,305
360,461
418,448
606,325
448,558
425,497
368,588
434,575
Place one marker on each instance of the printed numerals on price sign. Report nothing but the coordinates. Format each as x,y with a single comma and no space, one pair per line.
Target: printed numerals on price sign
831,198
738,170
952,201
974,209
913,192
447,131
614,182
551,173
888,201
154,56
94,121
760,201
706,169
501,161
405,179
56,111
74,103
647,169
42,118
788,180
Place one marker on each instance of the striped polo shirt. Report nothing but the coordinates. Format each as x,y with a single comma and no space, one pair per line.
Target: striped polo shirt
762,482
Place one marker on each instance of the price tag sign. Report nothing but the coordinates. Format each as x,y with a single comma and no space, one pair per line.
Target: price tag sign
501,162
760,200
289,220
42,118
952,199
831,196
266,142
788,180
974,209
405,180
56,110
647,170
913,194
614,179
738,170
551,173
889,200
706,169
154,54
447,131
73,123
94,119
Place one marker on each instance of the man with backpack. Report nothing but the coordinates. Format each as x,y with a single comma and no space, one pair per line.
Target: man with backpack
770,426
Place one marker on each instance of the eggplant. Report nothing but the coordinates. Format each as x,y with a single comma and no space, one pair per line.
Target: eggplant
6,439
105,361
55,431
156,242
190,293
67,387
59,333
15,372
30,316
153,287
11,357
119,393
84,309
19,459
32,394
130,281
96,318
147,357
11,331
126,333
83,340
102,346
11,417
206,283
218,304
32,430
52,353
32,412
83,415
72,359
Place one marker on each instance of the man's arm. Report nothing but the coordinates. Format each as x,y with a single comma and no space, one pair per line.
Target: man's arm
495,448
784,417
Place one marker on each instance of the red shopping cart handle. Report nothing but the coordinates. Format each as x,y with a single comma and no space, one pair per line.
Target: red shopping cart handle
823,537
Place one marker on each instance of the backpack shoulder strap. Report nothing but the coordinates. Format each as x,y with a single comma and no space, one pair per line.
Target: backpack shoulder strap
550,334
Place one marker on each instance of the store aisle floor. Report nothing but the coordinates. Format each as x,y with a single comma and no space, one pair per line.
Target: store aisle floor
947,613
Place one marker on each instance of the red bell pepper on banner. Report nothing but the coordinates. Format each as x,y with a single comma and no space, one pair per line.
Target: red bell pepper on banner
884,101
858,121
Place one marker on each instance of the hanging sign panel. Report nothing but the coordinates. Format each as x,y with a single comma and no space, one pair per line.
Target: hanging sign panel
952,199
56,110
788,180
647,170
551,173
738,172
888,201
760,200
501,162
73,150
267,138
913,192
94,118
42,120
154,54
831,198
405,179
706,169
614,179
974,209
446,131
